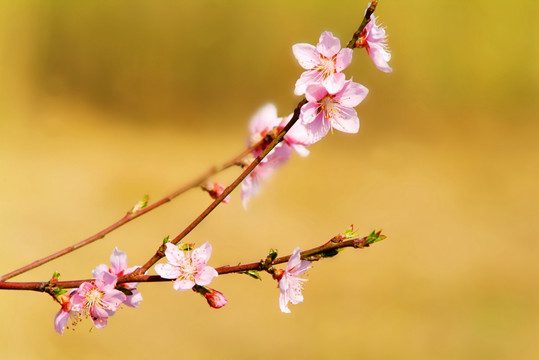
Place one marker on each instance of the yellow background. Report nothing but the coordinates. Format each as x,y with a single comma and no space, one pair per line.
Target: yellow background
104,101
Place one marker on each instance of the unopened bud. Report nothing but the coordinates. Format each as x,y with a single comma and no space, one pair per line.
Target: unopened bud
215,298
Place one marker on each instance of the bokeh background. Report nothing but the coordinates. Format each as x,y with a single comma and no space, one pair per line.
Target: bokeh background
104,101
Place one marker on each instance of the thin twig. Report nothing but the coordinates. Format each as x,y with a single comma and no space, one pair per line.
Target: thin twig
160,252
354,42
133,215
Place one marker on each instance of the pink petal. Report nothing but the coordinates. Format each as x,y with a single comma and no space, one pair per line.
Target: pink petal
167,271
99,269
97,313
376,33
315,93
306,78
201,255
118,260
334,83
347,121
133,300
174,255
316,128
344,58
264,119
249,188
308,114
301,150
106,281
60,321
294,260
328,45
113,299
100,323
283,303
297,138
294,294
182,285
352,94
307,55
380,56
280,154
205,276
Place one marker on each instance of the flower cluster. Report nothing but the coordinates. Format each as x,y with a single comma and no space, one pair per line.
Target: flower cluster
100,298
264,122
329,104
330,101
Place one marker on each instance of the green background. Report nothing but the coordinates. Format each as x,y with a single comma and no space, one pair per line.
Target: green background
104,101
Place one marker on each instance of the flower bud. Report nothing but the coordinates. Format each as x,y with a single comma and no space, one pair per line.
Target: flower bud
215,298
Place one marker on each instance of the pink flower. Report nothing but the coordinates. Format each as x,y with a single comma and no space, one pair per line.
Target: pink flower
325,111
374,39
290,283
262,123
187,270
215,298
265,121
118,260
65,313
98,299
215,190
324,63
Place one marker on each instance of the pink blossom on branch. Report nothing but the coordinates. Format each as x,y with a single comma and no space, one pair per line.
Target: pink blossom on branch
118,261
263,122
215,298
290,283
215,190
189,269
98,299
65,313
325,111
324,63
374,39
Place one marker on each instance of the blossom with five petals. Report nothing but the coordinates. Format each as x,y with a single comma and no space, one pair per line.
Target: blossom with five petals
324,63
374,39
325,111
98,299
118,261
290,283
187,270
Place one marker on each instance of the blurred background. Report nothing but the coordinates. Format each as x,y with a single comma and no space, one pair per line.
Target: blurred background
102,102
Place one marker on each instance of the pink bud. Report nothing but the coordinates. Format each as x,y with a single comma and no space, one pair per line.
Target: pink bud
215,190
215,298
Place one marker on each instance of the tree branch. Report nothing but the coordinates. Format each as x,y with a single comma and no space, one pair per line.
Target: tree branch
328,249
133,215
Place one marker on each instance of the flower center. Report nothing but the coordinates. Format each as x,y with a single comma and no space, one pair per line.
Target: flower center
188,271
328,107
326,67
93,298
